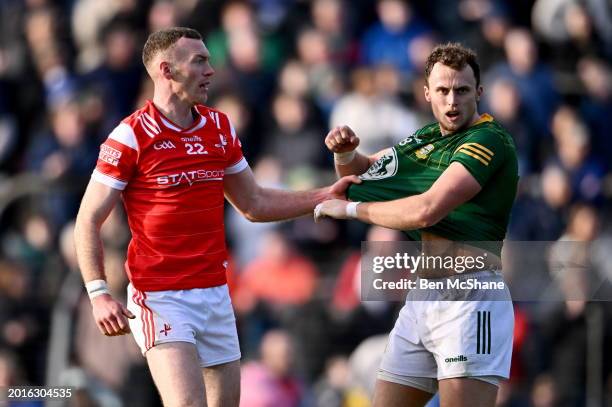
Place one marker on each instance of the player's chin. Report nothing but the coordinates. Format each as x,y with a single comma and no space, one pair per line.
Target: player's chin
200,99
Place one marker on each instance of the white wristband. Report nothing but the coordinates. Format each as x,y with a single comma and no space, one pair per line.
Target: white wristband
96,288
344,158
351,210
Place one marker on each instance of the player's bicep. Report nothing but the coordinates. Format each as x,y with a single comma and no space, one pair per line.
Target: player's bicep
240,189
454,187
98,201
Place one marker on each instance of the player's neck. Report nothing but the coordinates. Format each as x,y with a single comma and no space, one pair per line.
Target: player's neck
177,111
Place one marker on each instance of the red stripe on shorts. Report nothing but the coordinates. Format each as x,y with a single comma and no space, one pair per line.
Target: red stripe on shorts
138,300
151,320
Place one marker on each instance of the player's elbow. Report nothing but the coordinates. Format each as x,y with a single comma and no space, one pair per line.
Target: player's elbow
252,216
252,213
428,215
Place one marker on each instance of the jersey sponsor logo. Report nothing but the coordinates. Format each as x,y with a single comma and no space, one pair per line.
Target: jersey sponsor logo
109,155
384,167
476,151
423,152
164,145
190,177
460,358
191,139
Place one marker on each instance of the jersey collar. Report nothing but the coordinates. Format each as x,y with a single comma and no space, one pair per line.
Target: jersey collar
485,117
198,123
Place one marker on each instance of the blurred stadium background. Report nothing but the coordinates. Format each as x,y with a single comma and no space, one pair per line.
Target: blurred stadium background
286,71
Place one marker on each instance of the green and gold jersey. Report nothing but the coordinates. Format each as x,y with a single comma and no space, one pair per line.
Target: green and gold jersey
485,149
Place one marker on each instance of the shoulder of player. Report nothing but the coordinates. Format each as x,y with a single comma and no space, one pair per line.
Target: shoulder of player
428,129
144,126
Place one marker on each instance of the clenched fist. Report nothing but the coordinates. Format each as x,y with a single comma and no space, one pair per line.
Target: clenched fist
341,139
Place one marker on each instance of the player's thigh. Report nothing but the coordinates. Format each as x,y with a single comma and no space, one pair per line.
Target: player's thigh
466,392
177,374
389,394
223,384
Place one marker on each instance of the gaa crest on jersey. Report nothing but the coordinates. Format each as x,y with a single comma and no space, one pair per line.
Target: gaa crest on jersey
423,152
384,167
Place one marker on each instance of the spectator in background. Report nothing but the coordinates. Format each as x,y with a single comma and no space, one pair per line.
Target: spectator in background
279,276
504,102
388,41
22,322
163,14
324,76
565,343
49,54
375,114
541,217
244,57
88,19
118,78
596,104
294,139
245,72
573,154
271,382
62,154
573,29
330,390
330,19
533,78
482,24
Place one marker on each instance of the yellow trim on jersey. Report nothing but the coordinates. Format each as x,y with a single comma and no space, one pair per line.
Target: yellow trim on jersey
478,151
485,117
474,156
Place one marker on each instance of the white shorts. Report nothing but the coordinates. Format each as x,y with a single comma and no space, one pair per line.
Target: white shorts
202,316
435,339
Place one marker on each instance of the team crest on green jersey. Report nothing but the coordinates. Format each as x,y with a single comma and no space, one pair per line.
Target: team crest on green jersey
384,167
423,152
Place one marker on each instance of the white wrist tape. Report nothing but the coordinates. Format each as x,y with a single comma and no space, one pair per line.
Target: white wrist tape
344,158
351,210
96,288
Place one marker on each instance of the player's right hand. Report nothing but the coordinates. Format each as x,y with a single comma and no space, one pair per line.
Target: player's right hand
341,139
110,315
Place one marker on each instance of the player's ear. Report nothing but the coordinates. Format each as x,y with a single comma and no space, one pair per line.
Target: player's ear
479,91
166,70
426,92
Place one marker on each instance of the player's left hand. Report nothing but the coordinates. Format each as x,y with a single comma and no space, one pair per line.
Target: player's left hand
334,208
338,189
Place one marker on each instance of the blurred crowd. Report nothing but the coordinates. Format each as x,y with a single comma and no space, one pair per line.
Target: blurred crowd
287,71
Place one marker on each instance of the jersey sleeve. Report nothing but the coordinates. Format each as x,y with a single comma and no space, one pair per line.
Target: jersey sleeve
117,159
235,159
481,153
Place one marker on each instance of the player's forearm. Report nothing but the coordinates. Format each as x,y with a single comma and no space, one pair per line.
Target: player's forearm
276,205
415,212
90,254
357,166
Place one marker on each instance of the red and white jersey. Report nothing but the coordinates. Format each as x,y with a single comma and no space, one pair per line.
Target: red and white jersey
172,183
